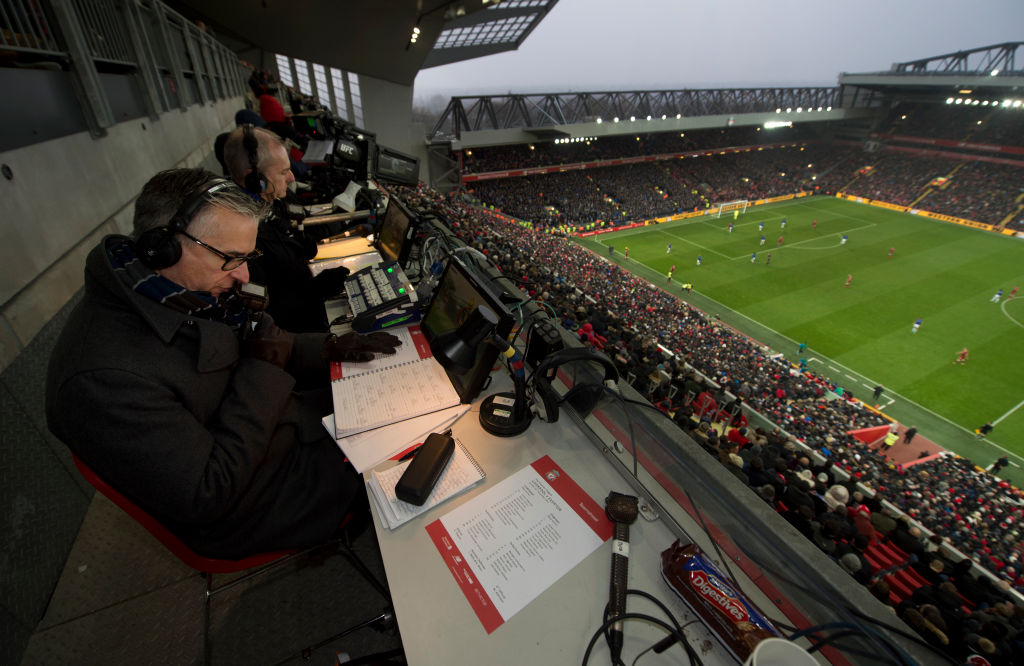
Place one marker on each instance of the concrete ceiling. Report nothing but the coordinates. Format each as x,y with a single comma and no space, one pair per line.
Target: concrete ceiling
364,36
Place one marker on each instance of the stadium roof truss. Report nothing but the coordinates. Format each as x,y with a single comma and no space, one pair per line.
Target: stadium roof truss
542,113
984,60
989,67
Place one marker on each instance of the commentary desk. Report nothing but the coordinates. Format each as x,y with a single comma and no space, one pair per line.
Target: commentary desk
692,496
436,622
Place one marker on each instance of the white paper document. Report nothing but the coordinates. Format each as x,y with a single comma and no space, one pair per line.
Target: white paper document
510,543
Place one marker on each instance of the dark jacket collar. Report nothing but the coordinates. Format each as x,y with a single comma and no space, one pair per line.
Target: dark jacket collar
218,344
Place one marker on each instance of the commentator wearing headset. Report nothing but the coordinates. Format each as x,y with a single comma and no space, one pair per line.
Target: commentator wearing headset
257,161
178,392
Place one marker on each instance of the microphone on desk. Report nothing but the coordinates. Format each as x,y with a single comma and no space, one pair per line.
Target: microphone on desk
621,510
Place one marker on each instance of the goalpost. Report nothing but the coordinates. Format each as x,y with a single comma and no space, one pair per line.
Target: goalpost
730,206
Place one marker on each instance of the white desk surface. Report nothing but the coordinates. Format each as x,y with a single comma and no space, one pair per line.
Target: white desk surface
437,624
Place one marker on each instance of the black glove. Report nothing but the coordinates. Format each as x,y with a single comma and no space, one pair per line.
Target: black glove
358,348
269,343
331,282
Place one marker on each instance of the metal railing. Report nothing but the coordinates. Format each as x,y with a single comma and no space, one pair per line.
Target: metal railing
177,63
26,26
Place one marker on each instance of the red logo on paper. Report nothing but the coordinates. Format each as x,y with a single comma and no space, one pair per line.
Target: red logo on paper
714,591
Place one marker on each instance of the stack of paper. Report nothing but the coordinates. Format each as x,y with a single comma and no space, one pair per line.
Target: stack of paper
386,405
369,449
462,473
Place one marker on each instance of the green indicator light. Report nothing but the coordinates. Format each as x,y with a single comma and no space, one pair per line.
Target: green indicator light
391,270
401,290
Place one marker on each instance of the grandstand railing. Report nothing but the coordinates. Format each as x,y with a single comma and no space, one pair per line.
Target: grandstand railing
176,63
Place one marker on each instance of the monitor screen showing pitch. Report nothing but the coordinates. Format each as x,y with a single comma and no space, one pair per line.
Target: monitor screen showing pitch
394,239
459,293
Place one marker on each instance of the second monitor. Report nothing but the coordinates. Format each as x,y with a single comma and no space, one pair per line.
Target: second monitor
460,291
394,238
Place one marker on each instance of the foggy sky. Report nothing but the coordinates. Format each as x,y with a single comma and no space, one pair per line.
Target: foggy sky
590,45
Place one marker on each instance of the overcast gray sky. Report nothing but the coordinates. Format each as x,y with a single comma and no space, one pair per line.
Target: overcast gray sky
668,44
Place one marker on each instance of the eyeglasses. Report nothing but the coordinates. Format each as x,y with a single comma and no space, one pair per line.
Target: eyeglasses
231,262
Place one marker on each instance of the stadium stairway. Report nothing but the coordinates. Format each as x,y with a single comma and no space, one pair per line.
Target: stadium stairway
1013,215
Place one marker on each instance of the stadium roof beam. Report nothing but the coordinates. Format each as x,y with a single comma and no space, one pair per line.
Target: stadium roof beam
534,111
982,60
990,67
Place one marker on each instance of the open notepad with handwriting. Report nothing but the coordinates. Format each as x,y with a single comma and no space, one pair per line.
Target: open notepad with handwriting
390,389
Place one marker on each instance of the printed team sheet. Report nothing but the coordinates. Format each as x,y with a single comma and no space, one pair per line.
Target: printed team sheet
510,543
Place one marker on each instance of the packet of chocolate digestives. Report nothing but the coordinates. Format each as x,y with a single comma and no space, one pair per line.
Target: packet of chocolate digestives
740,626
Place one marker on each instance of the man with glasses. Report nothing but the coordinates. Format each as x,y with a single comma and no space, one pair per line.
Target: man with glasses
258,163
180,395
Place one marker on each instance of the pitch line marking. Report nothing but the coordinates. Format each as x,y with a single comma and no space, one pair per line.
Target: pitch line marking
996,422
1002,307
697,245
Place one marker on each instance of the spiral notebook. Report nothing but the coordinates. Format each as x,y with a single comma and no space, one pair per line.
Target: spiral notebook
389,389
462,473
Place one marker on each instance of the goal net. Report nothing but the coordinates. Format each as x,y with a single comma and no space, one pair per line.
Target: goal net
730,206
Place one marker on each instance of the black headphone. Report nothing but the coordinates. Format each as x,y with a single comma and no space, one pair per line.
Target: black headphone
254,180
582,396
159,248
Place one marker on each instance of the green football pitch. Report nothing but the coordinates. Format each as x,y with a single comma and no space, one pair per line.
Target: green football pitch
860,335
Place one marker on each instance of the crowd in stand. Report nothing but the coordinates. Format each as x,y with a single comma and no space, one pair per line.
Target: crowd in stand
900,178
979,190
637,192
986,124
501,158
714,371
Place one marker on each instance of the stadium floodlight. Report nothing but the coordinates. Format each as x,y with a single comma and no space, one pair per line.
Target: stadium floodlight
994,72
778,110
615,119
984,103
959,100
820,109
975,103
1007,102
828,108
789,109
772,124
632,119
949,100
678,116
648,117
1016,103
598,121
663,116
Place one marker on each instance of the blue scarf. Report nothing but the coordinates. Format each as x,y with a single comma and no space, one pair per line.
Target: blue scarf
144,281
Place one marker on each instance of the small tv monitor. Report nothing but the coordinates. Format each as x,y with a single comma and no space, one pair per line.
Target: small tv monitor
460,291
394,238
396,166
